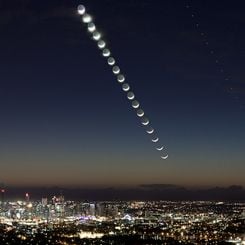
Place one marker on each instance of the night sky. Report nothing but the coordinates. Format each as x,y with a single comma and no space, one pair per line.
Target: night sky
66,121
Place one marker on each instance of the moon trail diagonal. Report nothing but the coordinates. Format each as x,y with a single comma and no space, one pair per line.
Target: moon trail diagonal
96,36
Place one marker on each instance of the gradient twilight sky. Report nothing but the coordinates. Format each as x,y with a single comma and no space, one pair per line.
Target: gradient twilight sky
65,120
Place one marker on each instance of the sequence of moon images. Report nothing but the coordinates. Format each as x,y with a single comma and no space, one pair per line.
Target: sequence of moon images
120,77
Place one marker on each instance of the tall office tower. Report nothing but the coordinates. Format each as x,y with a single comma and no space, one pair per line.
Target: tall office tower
44,201
59,204
98,209
2,197
92,209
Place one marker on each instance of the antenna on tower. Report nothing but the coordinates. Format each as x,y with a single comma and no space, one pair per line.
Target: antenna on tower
2,189
2,197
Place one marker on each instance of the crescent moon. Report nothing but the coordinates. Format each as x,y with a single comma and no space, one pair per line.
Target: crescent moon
130,95
96,35
120,78
145,121
106,52
160,148
116,69
111,61
81,9
140,113
101,44
164,157
155,140
91,27
125,87
150,131
135,104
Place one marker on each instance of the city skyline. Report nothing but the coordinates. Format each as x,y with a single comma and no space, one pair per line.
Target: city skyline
65,121
59,221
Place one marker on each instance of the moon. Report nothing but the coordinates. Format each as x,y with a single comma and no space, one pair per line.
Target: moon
101,44
120,78
145,121
155,140
91,27
87,18
96,35
140,113
164,157
135,104
126,87
130,95
115,69
106,52
160,148
81,9
111,61
150,131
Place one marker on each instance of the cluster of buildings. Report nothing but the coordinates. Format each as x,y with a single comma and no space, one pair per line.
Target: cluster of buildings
60,221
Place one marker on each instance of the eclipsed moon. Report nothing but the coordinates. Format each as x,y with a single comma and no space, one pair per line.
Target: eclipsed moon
96,35
81,9
106,52
120,78
130,95
140,113
101,44
145,121
164,157
135,104
87,18
155,140
150,131
111,61
125,87
160,148
91,27
116,69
